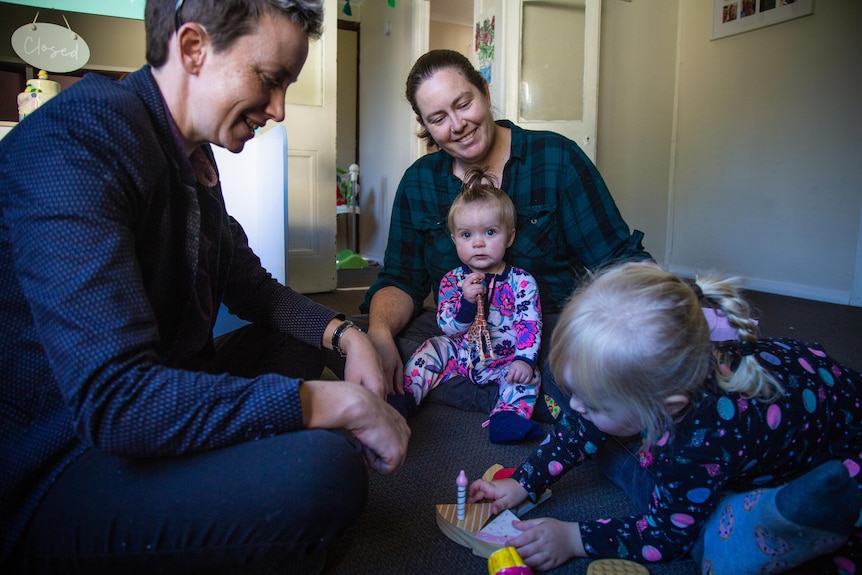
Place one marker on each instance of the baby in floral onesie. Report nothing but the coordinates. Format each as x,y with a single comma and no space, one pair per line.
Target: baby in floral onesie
490,314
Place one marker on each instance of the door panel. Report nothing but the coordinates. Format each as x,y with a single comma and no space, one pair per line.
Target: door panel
309,119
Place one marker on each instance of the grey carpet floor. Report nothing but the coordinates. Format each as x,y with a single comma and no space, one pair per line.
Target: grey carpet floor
398,533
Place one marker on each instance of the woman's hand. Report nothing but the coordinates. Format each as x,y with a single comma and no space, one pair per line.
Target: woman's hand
505,493
547,543
391,310
343,405
362,364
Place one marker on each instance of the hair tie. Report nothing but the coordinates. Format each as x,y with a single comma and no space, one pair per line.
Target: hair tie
696,289
746,348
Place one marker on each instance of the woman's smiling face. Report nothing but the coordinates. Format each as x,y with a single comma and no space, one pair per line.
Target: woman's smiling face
244,85
457,115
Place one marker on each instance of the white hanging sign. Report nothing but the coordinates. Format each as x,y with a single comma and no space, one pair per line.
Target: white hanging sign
50,47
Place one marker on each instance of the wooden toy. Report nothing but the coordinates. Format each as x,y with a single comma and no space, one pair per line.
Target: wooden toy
478,516
462,532
616,567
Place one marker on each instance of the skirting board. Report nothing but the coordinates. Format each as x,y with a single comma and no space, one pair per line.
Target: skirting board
779,288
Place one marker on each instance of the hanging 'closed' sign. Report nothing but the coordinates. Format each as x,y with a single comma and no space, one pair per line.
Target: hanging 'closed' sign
50,47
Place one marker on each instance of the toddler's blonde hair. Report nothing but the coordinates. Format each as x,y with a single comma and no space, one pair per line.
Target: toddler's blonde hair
636,334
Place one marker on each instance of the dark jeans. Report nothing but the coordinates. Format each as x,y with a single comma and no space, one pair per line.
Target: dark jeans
460,393
618,460
254,507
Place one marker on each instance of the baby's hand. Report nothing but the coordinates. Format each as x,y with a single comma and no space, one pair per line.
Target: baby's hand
473,286
519,372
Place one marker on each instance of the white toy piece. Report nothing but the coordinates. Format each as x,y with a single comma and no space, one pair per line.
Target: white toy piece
461,482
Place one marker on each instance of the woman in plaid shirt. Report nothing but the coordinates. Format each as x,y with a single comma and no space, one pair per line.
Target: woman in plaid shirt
567,222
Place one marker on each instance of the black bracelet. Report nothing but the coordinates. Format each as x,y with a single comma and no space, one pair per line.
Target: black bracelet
339,331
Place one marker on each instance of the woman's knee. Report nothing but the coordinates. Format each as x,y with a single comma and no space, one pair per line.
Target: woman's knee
329,478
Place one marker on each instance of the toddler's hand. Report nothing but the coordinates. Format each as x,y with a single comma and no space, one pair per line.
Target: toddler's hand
547,543
505,493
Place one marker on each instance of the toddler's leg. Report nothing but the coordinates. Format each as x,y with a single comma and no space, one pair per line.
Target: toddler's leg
618,460
518,398
775,529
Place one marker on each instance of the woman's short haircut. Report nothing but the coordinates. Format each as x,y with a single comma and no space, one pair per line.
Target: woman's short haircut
224,20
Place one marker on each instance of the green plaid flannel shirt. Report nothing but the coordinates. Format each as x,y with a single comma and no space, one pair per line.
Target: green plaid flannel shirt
567,221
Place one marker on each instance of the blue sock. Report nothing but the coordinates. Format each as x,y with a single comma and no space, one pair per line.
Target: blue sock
509,427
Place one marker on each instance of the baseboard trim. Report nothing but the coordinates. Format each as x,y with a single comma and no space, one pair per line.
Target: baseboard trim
373,259
778,288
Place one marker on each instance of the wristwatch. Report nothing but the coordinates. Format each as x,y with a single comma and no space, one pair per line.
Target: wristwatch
339,331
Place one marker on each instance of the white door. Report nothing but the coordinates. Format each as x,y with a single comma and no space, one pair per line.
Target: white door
544,74
310,123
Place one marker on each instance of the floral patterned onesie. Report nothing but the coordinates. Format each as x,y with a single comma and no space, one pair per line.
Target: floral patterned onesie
725,442
514,318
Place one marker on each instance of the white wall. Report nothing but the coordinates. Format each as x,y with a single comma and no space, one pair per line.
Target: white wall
768,182
348,45
451,36
636,112
738,155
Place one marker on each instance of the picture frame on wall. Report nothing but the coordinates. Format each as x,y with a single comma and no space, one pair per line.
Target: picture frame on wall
731,17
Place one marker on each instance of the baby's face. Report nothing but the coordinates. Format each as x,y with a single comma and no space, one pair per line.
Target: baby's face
481,238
